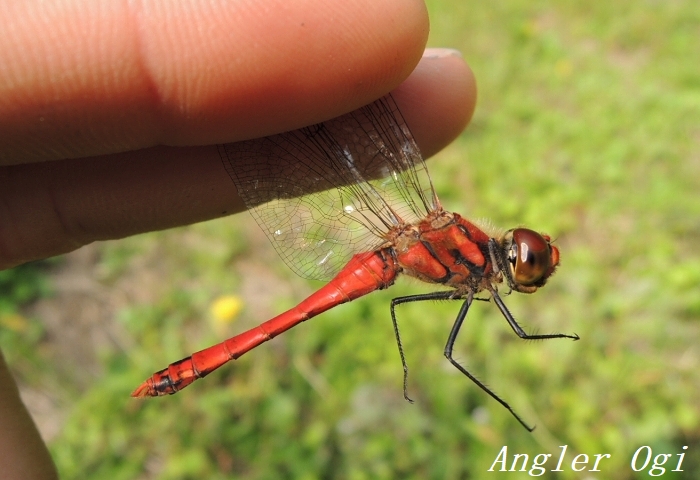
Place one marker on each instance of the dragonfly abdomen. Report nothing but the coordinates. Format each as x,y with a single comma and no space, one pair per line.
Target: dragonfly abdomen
364,273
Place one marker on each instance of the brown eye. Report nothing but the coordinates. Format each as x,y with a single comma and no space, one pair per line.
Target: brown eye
531,256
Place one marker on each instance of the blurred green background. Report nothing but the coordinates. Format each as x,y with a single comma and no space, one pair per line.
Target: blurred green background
587,127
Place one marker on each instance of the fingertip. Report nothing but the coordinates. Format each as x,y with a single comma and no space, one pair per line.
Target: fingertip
438,99
344,56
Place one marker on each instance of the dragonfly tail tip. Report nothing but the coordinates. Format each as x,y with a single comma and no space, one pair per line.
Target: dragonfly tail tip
144,390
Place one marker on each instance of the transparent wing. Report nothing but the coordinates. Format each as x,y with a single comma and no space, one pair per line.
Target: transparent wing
325,192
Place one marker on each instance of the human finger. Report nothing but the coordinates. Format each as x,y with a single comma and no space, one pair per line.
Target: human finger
23,454
82,79
55,207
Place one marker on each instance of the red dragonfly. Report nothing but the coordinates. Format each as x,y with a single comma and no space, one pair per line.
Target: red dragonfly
350,201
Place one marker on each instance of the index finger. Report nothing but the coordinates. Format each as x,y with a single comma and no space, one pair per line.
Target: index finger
54,207
81,79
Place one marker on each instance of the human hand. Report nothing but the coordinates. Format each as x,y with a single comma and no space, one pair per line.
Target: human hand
110,112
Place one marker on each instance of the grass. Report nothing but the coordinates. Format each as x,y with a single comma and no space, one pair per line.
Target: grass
587,127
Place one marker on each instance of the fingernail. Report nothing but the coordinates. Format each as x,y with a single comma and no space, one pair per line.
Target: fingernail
441,53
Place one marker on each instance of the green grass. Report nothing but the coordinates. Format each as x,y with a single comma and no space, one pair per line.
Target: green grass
587,127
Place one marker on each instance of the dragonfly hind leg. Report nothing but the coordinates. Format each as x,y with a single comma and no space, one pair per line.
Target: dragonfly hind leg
443,295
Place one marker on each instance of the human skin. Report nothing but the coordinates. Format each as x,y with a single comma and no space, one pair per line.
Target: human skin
110,113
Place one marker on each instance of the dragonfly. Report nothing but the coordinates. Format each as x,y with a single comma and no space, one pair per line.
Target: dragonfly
350,201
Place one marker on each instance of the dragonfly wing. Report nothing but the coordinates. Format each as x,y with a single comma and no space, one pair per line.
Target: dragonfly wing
387,157
325,192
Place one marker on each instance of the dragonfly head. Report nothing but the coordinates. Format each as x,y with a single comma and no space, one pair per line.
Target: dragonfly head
530,257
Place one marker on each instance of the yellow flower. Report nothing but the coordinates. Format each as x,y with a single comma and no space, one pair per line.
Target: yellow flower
225,309
14,322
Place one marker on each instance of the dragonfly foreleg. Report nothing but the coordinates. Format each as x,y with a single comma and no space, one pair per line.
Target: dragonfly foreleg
518,329
443,295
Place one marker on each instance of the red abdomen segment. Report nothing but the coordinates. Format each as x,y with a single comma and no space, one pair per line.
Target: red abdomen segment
364,273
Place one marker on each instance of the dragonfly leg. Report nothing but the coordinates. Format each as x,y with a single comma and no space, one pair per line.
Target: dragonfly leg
444,295
518,329
448,354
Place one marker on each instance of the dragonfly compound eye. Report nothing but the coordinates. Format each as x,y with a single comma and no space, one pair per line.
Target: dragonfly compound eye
531,257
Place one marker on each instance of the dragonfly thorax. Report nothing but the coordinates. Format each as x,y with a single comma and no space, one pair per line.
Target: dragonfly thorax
445,248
